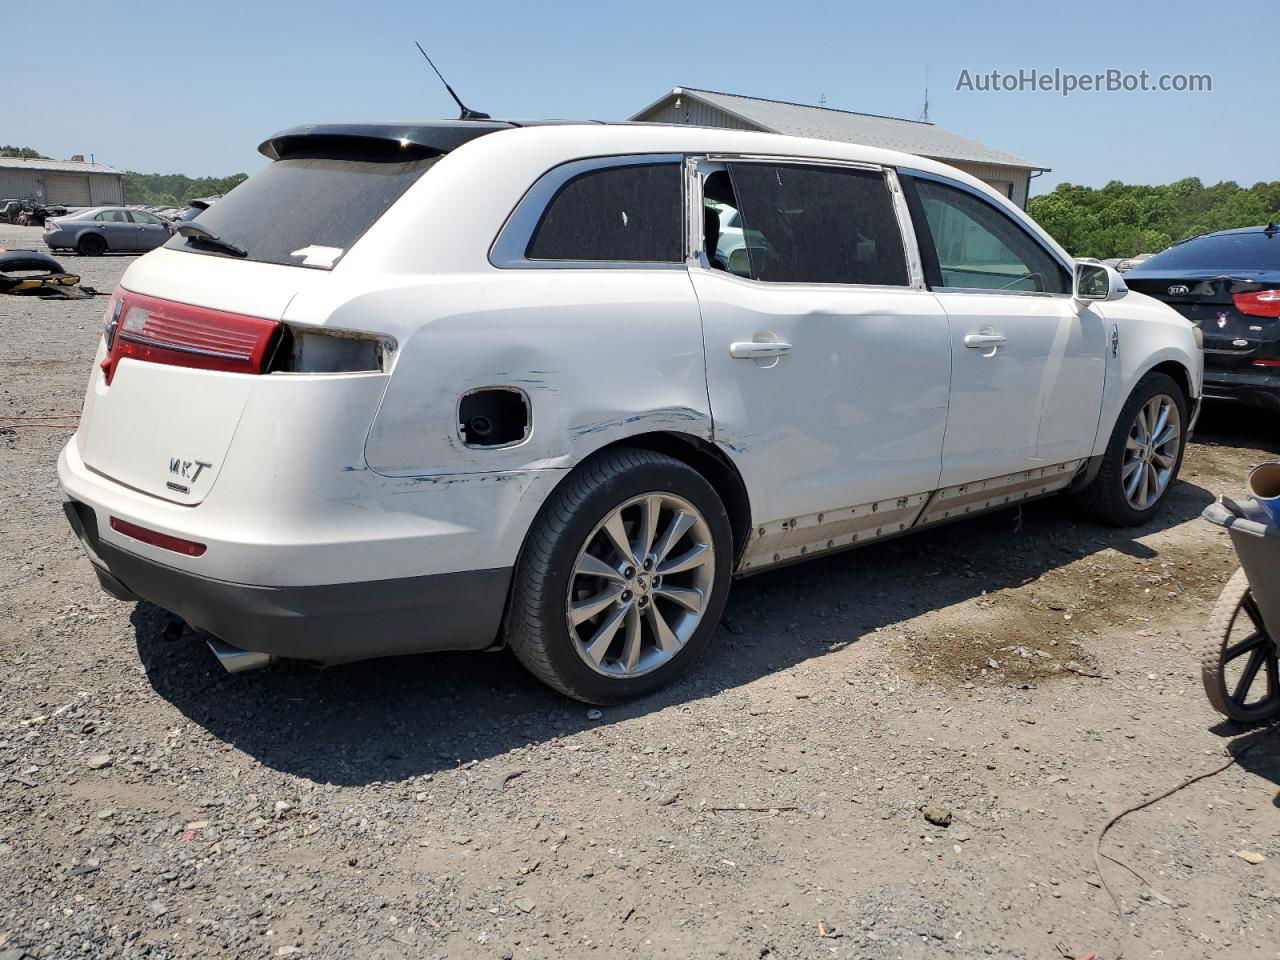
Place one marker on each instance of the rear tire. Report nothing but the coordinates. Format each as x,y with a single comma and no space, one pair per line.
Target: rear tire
1116,495
605,627
91,245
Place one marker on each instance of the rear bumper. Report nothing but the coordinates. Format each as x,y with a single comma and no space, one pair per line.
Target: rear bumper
330,623
1255,388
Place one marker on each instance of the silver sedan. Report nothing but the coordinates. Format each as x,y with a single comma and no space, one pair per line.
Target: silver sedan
98,230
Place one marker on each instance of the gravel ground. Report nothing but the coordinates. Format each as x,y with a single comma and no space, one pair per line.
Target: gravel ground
1027,673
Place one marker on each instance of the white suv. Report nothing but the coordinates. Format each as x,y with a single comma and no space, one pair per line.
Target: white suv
454,385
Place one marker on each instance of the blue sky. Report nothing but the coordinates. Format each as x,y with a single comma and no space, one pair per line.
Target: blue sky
193,88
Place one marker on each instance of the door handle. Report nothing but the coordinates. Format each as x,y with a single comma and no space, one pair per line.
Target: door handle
980,341
756,350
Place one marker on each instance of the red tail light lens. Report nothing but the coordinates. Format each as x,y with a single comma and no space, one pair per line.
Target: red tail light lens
1266,363
157,539
182,335
1261,303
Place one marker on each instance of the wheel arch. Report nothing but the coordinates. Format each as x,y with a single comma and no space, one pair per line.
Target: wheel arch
719,471
1170,363
1177,372
701,455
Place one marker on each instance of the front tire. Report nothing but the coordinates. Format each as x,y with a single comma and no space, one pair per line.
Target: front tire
1143,457
622,579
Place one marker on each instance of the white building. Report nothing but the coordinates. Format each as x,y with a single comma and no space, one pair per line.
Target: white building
1009,174
72,183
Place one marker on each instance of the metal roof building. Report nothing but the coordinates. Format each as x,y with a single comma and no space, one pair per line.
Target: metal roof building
73,183
1007,173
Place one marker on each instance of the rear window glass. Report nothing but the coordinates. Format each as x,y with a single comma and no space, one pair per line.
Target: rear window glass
304,211
619,214
1232,251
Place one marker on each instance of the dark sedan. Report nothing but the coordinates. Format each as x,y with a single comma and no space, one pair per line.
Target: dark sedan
97,230
1228,284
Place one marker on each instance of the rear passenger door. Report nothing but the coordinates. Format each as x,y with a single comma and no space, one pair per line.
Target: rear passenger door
1028,361
115,227
827,361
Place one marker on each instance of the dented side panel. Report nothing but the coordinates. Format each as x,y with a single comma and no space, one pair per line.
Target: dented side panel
621,357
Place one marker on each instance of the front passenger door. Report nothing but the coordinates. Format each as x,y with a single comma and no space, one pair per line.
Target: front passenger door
1028,360
149,231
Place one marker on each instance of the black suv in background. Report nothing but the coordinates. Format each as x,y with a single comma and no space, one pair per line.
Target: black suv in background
1228,284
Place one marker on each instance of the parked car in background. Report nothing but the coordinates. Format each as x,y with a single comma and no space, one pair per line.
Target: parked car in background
100,230
558,420
1228,284
196,207
1128,263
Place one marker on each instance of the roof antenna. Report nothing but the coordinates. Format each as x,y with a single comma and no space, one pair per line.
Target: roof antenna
467,113
923,115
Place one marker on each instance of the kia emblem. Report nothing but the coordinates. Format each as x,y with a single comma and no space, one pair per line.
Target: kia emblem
1179,290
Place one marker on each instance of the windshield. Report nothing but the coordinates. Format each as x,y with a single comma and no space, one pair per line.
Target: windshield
1220,253
304,211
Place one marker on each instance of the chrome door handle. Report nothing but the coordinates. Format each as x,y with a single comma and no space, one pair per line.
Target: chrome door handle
756,350
980,341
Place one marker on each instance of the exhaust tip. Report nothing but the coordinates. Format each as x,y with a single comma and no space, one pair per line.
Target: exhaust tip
235,660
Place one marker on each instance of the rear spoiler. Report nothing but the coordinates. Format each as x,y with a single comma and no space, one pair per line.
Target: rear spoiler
385,141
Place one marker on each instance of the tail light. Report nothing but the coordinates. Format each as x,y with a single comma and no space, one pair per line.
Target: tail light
157,539
182,335
1266,363
1261,303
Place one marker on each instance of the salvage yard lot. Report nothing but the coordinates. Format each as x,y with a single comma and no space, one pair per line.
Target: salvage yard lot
1030,672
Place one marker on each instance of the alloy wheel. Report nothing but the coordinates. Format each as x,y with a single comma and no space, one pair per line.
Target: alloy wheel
640,585
1151,451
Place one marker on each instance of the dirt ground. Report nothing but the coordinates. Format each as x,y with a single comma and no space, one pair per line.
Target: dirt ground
1030,672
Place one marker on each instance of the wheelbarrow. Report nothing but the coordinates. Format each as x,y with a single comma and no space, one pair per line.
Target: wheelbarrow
1239,664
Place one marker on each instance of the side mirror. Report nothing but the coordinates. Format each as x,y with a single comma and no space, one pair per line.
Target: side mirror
1097,281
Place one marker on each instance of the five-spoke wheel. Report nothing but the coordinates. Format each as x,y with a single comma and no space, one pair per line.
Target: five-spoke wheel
1239,665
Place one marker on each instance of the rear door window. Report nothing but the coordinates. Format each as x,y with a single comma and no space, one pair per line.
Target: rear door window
811,224
623,214
305,211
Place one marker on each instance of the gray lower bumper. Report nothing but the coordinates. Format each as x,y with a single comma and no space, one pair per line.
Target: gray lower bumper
330,623
1258,389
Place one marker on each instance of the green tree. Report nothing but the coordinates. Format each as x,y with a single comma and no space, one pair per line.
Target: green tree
26,153
1121,220
175,189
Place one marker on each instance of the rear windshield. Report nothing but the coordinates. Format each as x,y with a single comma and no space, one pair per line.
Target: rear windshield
1229,251
304,211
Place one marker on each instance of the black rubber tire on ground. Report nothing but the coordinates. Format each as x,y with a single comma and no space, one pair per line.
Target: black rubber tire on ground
1229,607
536,628
1104,497
91,245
